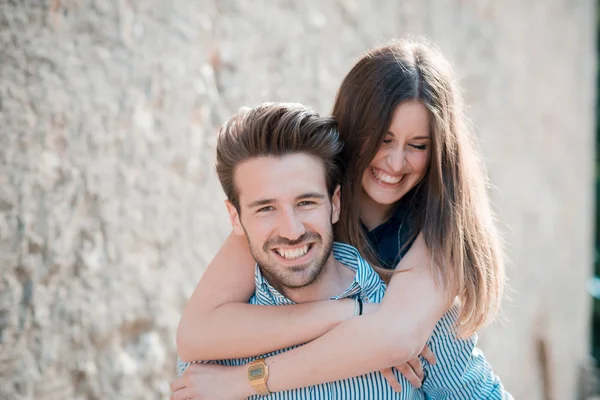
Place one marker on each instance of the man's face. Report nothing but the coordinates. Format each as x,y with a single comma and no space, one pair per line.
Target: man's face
287,216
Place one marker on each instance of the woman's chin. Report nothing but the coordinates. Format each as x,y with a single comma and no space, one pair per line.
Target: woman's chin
383,199
386,202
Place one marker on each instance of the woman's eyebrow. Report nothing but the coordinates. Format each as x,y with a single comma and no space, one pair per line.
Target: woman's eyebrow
420,137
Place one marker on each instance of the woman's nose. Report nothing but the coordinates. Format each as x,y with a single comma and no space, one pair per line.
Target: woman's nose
396,160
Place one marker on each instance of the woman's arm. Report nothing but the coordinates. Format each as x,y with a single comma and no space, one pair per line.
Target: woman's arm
392,335
218,324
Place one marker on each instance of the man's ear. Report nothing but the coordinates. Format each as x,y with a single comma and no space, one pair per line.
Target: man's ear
335,205
234,217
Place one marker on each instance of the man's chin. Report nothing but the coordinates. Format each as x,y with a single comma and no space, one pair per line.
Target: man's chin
295,277
299,283
302,277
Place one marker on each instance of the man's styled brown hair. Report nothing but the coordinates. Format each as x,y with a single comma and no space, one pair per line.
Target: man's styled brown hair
276,130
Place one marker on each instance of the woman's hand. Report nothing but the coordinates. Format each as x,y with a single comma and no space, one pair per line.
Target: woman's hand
411,370
212,381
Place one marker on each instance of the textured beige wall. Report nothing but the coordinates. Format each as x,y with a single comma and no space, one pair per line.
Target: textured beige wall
110,210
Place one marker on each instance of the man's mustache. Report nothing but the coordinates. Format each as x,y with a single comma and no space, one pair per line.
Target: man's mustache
281,241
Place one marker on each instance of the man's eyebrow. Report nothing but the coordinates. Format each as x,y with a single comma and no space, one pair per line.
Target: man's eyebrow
264,202
311,195
261,202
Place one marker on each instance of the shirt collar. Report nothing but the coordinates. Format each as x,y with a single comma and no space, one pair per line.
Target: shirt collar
366,281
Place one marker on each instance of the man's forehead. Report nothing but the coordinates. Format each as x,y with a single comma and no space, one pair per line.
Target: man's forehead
280,177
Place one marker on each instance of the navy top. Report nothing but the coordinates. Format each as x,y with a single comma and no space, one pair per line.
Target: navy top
392,239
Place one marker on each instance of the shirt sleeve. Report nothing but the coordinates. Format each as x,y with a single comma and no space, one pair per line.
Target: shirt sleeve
461,371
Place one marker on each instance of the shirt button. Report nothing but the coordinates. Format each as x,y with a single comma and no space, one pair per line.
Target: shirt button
366,299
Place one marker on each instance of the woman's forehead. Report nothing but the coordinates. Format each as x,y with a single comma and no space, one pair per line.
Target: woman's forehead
410,118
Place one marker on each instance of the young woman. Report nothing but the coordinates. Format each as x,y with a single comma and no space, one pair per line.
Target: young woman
414,204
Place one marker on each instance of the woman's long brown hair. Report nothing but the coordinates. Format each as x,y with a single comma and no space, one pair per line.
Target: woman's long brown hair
450,205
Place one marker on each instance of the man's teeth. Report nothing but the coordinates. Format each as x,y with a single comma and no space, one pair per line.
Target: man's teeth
290,254
383,177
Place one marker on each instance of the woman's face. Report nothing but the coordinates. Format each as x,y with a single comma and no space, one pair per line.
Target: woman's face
402,158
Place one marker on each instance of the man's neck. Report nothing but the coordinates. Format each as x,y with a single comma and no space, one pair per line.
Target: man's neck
333,280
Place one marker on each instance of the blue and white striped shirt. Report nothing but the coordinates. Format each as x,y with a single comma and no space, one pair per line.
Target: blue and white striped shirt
460,373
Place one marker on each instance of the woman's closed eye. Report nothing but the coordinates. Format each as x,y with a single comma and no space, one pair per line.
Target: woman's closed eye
420,147
388,138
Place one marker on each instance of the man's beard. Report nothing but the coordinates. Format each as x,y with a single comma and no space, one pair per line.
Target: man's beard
293,277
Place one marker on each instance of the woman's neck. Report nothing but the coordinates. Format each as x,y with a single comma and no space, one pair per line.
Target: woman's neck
373,214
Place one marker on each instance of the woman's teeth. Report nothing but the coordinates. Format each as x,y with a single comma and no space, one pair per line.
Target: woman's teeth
385,178
291,254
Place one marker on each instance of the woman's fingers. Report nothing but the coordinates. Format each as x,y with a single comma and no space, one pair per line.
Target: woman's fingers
428,355
391,379
410,375
417,368
181,394
178,384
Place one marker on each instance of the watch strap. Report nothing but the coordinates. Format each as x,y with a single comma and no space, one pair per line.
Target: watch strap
261,388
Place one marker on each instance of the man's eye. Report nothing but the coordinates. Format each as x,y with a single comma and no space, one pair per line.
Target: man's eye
265,209
306,203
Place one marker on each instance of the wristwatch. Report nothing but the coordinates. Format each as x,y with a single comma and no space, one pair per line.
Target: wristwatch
258,373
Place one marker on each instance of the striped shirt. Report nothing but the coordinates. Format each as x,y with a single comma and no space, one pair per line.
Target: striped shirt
461,371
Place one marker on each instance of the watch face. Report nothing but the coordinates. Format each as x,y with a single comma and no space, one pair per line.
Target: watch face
256,372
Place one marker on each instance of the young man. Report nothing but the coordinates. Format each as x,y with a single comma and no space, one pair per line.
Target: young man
278,167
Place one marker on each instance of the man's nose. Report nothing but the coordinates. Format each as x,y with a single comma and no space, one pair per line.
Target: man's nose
290,225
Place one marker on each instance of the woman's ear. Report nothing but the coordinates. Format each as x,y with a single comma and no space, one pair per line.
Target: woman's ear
234,217
335,205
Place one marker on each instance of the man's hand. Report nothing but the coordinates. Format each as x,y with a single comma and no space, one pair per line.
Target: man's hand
212,381
411,370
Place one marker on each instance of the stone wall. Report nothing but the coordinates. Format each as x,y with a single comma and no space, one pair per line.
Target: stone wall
110,210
